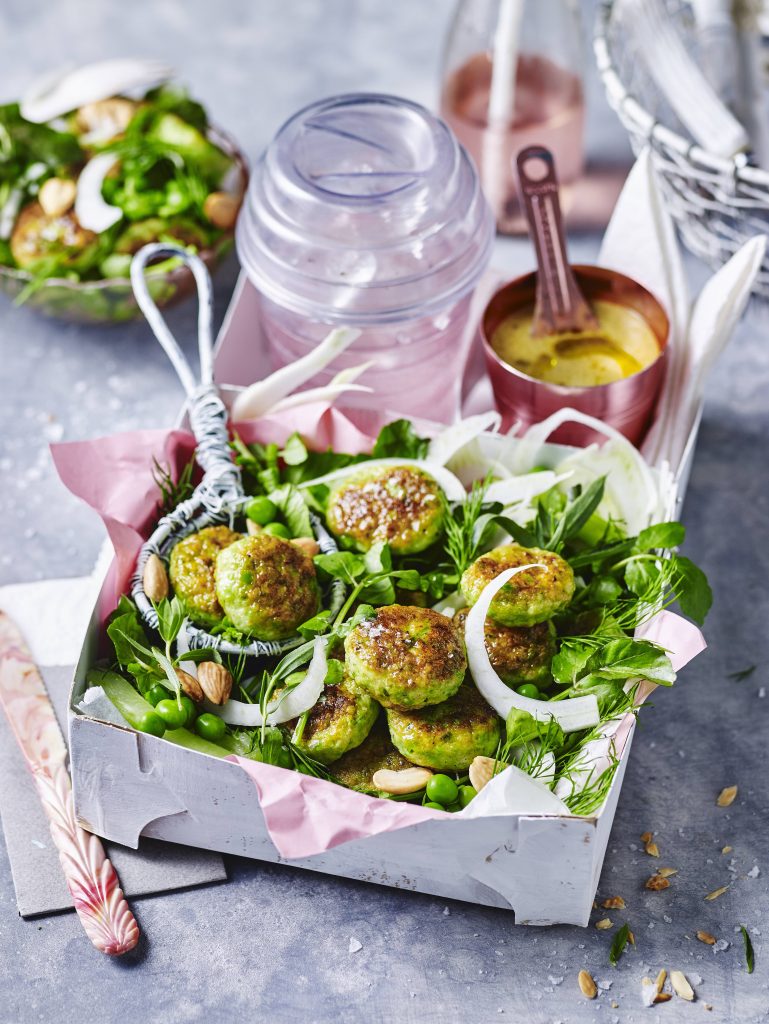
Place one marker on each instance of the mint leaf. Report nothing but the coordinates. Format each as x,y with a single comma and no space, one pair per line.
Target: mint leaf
661,535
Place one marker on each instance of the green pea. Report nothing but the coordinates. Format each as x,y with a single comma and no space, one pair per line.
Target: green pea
435,806
442,789
261,510
189,708
278,530
210,727
173,715
529,690
151,723
466,794
156,693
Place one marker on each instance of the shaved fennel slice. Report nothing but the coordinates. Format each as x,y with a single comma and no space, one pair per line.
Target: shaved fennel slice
445,479
91,209
329,394
631,495
283,708
265,394
453,439
572,714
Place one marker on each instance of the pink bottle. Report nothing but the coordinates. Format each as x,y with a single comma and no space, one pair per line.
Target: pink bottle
364,211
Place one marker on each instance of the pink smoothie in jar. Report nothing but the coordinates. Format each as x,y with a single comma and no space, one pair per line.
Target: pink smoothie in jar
366,212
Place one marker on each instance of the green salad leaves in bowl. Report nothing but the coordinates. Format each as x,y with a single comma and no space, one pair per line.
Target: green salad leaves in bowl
83,188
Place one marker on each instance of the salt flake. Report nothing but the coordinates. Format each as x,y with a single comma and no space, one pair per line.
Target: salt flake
354,946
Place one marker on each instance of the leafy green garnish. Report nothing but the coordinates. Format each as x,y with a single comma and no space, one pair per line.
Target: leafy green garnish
290,502
173,492
619,944
743,673
399,440
749,955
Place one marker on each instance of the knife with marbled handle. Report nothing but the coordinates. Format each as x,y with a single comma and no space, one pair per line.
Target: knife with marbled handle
90,877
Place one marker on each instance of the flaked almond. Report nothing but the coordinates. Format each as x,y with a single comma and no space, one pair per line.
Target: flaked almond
660,980
308,545
630,937
481,771
587,985
604,924
155,579
657,882
667,872
726,796
662,997
716,893
56,196
681,986
727,849
408,780
707,938
652,849
614,903
190,685
221,209
646,837
253,528
215,681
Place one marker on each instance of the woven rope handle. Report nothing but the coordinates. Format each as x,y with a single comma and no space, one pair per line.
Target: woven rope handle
207,412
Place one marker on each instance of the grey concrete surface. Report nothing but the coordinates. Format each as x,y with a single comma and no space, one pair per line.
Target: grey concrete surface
273,944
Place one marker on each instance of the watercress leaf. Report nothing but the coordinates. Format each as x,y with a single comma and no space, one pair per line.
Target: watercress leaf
342,565
316,626
661,535
603,590
294,452
291,504
642,576
692,589
408,579
145,678
628,659
569,663
378,558
379,591
399,440
124,627
334,672
522,727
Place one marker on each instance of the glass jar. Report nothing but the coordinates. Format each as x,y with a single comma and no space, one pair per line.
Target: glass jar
364,211
512,77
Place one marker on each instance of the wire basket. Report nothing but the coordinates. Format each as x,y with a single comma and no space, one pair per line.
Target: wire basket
718,203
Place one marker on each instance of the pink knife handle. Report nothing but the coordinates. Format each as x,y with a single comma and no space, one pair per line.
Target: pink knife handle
92,882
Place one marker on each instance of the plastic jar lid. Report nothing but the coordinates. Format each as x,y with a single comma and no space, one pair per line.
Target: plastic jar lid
364,209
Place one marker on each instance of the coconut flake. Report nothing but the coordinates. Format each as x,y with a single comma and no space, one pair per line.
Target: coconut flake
445,479
91,209
572,714
283,708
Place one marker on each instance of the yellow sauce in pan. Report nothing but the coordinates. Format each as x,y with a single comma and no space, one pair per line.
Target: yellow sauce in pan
623,345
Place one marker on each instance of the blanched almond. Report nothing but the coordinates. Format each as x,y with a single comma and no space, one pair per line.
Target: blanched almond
408,780
155,579
215,681
481,771
56,196
681,986
587,985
